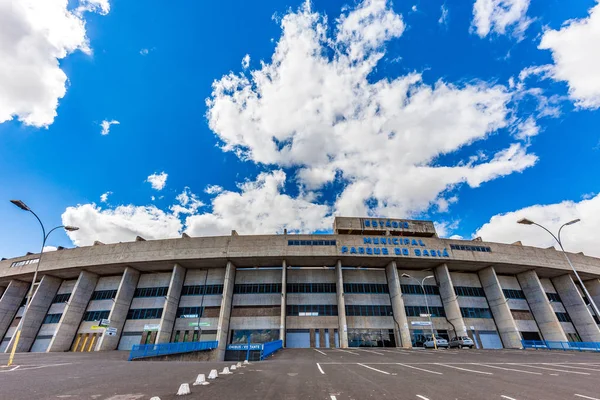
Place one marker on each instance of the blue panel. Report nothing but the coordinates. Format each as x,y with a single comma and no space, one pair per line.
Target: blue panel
298,339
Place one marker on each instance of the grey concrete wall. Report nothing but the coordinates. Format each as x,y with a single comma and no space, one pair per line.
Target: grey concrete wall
225,311
197,276
380,299
343,326
541,309
575,306
295,322
401,329
283,315
9,303
311,275
593,287
244,276
120,307
507,327
73,312
449,300
34,317
311,298
169,313
364,276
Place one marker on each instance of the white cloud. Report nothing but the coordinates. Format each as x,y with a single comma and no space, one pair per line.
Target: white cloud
444,17
49,248
104,197
152,198
121,224
144,52
106,126
499,16
158,181
213,189
527,129
444,228
414,8
188,203
577,57
100,6
315,107
246,61
579,237
34,36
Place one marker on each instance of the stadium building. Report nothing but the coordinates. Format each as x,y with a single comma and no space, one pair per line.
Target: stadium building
360,286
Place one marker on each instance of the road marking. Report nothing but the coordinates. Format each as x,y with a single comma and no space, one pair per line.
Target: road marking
374,369
348,351
465,369
509,369
421,369
320,352
320,369
571,366
558,370
586,397
506,397
422,397
27,368
332,397
371,351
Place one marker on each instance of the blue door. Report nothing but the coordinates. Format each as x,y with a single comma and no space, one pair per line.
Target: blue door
297,338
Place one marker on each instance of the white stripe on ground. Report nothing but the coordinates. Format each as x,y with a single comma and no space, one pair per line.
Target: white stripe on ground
554,369
320,369
332,397
320,352
17,367
572,366
374,369
422,397
348,351
465,369
371,351
421,369
508,398
586,397
510,369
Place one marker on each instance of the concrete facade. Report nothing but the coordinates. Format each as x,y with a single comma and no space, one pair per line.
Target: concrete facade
573,303
282,315
9,303
450,300
342,323
400,320
167,320
225,311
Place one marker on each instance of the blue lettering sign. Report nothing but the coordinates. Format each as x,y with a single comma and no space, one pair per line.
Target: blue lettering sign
367,222
421,242
361,250
395,241
425,252
405,251
406,225
397,251
366,240
394,224
375,240
376,250
407,241
414,242
369,250
384,251
388,224
352,250
445,253
344,249
417,252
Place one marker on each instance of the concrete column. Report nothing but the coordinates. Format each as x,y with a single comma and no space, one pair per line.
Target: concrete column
540,306
593,286
73,313
575,306
450,300
341,305
120,308
38,308
400,320
507,327
9,303
283,301
167,321
225,312
1,291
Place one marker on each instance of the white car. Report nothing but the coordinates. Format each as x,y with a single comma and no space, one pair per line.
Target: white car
439,341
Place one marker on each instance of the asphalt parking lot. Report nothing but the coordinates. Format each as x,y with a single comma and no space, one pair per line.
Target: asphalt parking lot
328,374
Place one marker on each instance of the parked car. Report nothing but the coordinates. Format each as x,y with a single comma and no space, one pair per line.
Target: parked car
461,341
439,341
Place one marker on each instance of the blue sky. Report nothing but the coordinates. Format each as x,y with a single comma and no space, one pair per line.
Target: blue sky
470,113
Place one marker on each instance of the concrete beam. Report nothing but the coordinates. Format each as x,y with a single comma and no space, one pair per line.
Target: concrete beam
341,305
9,304
507,327
73,313
593,287
450,300
225,311
283,302
400,320
120,308
167,321
540,306
578,312
34,317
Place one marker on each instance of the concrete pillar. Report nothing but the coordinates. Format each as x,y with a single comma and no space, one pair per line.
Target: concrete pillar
578,312
120,308
225,312
341,305
167,321
283,301
507,327
2,291
400,321
38,308
450,300
10,302
73,313
540,306
593,287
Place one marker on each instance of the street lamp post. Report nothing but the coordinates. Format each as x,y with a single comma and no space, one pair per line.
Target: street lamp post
526,221
421,283
45,235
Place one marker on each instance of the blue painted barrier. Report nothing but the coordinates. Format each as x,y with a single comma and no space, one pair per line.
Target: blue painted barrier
266,349
270,348
556,345
151,350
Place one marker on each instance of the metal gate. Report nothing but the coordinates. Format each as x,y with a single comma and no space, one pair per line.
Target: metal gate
490,340
127,341
297,338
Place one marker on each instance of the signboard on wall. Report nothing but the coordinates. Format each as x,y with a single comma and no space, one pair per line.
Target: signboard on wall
151,327
420,323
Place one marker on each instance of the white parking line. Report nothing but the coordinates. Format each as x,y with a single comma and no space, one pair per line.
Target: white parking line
421,369
371,351
320,369
465,369
509,369
27,368
422,397
348,351
320,352
374,369
554,369
572,366
332,397
586,397
507,398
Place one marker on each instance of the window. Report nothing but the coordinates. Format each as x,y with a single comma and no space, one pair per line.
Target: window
197,290
563,317
365,288
416,289
553,297
368,310
482,249
469,291
104,294
52,318
521,315
471,312
311,242
312,310
151,292
25,262
416,311
514,294
189,312
96,315
311,288
145,313
61,298
256,288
